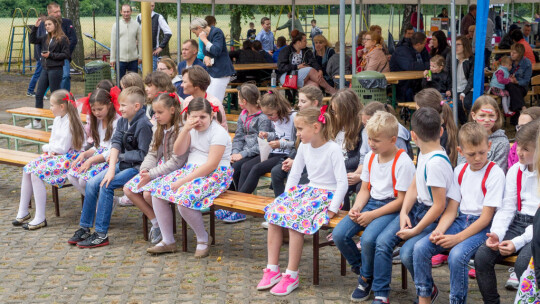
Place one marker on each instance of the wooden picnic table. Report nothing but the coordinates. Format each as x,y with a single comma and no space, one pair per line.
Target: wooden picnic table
35,113
255,66
507,51
395,77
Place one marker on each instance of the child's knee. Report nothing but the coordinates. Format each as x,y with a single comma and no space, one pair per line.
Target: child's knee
147,196
127,192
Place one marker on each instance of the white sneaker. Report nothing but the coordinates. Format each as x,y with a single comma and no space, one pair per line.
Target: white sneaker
35,124
264,225
124,201
45,97
512,283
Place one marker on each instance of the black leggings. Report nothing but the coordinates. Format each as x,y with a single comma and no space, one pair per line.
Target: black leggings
237,166
253,169
48,79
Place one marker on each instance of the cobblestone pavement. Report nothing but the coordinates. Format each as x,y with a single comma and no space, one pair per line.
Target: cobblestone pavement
40,267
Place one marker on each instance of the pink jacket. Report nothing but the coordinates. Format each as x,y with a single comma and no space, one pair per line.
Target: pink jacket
512,156
376,61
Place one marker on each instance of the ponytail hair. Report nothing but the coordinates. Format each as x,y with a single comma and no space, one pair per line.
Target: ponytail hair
168,100
202,104
311,115
431,98
63,97
101,97
250,93
275,101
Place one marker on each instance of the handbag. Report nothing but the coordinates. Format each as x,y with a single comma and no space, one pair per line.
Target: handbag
291,80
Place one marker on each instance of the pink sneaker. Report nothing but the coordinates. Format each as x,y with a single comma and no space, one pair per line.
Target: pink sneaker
438,260
285,286
472,273
269,279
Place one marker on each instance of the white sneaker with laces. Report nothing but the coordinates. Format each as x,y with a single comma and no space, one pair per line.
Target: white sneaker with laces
35,124
512,283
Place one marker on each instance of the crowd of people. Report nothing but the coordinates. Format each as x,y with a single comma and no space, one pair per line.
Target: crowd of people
164,139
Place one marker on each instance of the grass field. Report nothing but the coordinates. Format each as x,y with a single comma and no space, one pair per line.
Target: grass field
104,25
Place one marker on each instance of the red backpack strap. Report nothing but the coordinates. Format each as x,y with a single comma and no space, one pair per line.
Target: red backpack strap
486,175
369,170
519,176
461,173
394,170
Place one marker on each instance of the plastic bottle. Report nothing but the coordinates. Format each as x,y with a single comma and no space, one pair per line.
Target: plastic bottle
273,79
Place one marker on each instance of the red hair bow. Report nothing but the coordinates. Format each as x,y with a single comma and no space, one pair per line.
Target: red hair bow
85,101
184,110
68,98
322,119
215,108
115,92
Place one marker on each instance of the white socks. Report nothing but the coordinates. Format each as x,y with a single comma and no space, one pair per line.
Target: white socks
26,195
293,274
154,223
78,183
273,268
506,104
40,197
165,219
195,221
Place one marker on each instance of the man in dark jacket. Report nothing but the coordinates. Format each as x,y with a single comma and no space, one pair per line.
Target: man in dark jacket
53,10
411,55
468,20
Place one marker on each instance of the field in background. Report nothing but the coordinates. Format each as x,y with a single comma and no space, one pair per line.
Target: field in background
104,25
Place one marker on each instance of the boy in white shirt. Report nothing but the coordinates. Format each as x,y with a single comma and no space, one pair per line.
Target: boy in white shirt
512,229
481,185
387,173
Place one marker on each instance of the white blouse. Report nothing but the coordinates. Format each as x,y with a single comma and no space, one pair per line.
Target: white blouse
60,140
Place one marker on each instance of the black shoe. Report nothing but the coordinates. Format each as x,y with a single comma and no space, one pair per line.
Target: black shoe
93,241
28,226
79,236
19,221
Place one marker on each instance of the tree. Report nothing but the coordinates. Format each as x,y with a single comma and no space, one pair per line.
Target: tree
407,13
71,11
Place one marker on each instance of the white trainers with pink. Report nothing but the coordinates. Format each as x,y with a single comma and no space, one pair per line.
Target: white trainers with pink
269,279
285,286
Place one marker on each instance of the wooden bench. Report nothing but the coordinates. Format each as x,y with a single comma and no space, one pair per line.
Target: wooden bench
19,133
232,118
254,205
20,159
35,113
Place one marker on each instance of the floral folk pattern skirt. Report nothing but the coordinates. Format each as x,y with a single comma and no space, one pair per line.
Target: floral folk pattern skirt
94,170
528,291
134,182
301,208
197,194
52,169
497,91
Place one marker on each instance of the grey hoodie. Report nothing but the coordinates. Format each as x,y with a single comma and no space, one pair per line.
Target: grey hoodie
500,147
247,130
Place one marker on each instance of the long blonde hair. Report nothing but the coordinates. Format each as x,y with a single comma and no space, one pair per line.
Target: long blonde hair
345,108
63,97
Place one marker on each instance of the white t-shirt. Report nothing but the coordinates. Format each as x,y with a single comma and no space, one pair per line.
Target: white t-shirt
283,129
381,175
439,174
472,197
60,139
325,168
215,135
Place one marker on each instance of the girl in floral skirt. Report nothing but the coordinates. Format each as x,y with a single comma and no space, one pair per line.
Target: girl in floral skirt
160,160
67,137
304,209
102,122
206,175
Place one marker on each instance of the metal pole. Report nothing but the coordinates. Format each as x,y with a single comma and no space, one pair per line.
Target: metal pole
146,27
213,7
512,16
454,59
341,43
353,26
179,31
117,43
293,15
360,12
418,16
459,29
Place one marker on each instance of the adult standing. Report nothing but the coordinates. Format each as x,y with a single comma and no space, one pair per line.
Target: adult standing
287,25
465,76
410,56
468,20
444,13
266,36
216,56
488,48
30,92
298,57
374,58
54,50
190,49
520,77
439,45
414,20
498,24
53,10
159,25
130,43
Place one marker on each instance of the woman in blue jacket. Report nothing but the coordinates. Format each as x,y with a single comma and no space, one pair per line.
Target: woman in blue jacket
216,56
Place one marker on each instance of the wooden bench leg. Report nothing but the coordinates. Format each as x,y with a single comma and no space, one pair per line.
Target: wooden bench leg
212,225
173,209
82,201
145,227
316,258
184,235
343,266
55,200
403,277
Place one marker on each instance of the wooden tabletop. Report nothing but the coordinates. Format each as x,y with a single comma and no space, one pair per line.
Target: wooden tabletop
498,51
395,77
255,66
536,66
37,112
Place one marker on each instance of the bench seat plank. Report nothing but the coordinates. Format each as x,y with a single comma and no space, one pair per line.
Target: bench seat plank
23,133
16,158
37,112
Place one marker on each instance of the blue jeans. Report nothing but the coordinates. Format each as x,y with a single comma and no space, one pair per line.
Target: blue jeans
155,60
347,229
458,259
35,77
66,78
386,241
128,66
103,197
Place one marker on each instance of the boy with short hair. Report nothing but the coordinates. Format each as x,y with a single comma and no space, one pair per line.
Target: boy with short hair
463,226
130,144
315,31
252,32
386,175
424,202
